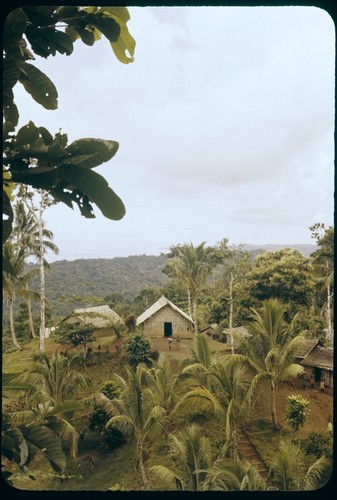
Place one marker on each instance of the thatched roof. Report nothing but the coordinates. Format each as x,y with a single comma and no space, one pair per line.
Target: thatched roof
306,347
99,316
319,357
157,306
238,331
210,328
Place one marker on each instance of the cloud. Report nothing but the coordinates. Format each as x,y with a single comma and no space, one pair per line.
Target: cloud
225,122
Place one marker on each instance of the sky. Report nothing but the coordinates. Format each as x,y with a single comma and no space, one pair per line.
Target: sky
225,124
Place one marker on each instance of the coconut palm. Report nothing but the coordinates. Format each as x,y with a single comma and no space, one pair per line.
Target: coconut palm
162,382
27,235
223,397
135,412
38,241
202,361
271,351
289,472
22,437
16,282
52,401
195,468
189,266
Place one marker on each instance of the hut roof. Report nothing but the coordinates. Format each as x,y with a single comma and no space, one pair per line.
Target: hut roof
306,347
157,306
208,328
99,316
319,357
239,331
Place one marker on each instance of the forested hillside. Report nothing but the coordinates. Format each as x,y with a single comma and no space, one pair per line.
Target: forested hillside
69,282
84,282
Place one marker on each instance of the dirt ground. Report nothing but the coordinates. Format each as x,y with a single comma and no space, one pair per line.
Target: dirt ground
321,403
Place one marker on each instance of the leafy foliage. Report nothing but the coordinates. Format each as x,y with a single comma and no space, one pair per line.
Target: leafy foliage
297,411
75,334
112,438
33,155
319,444
137,349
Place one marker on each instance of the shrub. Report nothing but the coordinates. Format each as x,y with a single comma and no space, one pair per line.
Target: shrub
137,349
319,444
112,438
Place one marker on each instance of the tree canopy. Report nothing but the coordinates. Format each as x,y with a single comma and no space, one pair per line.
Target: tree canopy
33,155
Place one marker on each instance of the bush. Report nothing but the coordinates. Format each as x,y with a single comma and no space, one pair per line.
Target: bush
112,438
319,444
137,349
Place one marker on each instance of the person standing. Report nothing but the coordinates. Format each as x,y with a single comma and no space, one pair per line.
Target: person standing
322,383
178,342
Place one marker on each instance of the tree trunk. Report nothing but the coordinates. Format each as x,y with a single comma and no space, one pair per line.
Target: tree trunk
11,324
140,465
231,313
329,313
189,301
30,317
275,422
42,280
195,316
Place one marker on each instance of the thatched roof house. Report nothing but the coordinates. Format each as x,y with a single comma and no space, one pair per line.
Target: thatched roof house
165,319
320,361
98,316
305,349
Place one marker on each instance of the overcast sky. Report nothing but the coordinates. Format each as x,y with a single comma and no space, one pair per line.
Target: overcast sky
225,122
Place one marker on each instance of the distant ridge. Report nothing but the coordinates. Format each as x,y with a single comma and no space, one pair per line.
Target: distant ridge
305,248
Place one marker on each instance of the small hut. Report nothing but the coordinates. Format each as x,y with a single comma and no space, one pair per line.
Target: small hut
305,349
165,319
320,360
98,316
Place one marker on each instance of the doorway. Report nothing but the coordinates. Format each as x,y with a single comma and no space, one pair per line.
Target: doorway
167,329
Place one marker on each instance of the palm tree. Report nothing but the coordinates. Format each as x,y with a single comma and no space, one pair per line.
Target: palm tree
289,472
162,382
135,412
52,401
189,266
323,264
195,467
15,283
224,397
22,436
202,361
270,351
38,241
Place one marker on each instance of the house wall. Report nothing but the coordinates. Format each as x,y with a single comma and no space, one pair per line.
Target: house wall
328,375
154,326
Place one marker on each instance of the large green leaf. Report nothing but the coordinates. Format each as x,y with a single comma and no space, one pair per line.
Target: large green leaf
47,41
43,439
89,153
40,15
87,36
97,190
14,27
12,438
39,86
27,134
10,72
124,46
106,25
